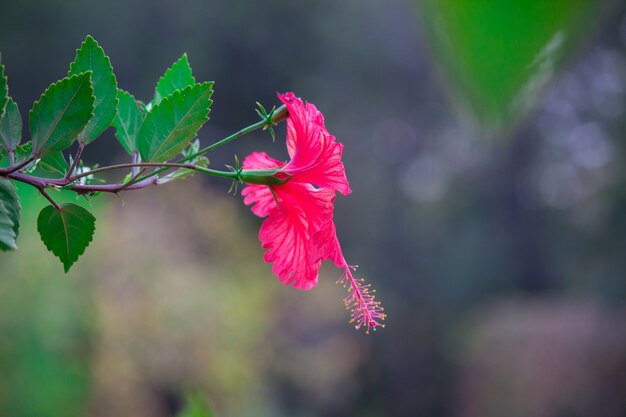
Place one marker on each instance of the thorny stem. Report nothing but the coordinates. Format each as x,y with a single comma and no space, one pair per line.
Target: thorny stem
15,168
164,165
43,183
135,172
111,188
39,183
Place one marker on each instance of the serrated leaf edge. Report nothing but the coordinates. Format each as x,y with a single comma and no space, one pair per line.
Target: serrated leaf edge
119,90
4,210
93,233
51,86
2,75
5,143
182,92
108,60
13,193
167,71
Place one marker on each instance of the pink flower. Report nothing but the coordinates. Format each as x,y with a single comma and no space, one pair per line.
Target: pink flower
297,197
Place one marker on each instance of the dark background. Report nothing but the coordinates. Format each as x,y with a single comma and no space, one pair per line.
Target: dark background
498,249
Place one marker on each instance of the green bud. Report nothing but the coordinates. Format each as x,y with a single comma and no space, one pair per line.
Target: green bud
280,114
264,176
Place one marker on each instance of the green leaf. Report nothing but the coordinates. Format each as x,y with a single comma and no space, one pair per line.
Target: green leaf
127,121
61,114
171,125
20,154
498,56
66,232
143,108
177,77
195,406
11,127
91,57
54,163
4,91
9,215
7,234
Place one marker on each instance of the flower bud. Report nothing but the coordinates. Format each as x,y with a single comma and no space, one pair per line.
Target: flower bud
280,114
264,176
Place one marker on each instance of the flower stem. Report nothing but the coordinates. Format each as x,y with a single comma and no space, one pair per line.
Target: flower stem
163,165
258,125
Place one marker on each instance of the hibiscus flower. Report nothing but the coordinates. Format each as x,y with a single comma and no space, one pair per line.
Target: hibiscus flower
297,197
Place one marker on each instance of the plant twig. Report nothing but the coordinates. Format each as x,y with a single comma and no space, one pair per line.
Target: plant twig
15,168
258,125
165,165
50,199
77,157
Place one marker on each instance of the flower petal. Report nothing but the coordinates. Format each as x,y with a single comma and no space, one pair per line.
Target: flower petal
261,160
259,196
315,153
328,170
303,133
286,234
324,245
297,121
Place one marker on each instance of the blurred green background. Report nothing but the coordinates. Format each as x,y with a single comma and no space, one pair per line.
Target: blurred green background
485,148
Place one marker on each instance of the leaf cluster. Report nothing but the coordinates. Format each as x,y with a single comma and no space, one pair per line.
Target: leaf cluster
78,109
